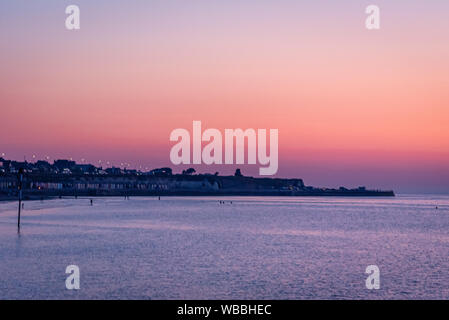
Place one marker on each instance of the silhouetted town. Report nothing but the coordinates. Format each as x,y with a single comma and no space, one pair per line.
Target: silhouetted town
68,178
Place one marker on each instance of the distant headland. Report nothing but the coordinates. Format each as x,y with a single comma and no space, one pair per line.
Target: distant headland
68,178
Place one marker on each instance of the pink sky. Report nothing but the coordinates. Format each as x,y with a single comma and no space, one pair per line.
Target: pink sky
353,107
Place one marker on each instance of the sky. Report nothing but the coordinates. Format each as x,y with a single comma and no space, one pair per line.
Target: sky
353,106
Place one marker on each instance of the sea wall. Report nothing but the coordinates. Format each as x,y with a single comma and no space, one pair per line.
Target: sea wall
35,185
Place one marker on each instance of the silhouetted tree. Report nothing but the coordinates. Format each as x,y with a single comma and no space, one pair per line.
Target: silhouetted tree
189,171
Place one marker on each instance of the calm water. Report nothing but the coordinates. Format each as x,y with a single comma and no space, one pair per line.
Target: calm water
256,248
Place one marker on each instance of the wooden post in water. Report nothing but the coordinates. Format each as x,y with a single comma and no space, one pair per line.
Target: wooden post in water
20,178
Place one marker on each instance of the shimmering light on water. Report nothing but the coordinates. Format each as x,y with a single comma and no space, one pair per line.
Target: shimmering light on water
255,248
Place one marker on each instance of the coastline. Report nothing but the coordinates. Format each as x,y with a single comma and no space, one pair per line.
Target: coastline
67,178
95,193
42,186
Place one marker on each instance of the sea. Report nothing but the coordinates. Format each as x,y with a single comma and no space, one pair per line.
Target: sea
226,248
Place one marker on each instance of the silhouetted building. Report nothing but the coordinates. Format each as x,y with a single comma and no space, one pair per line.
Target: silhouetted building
114,171
189,171
84,168
64,164
161,172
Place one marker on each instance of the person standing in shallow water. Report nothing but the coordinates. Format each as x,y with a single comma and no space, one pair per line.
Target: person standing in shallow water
91,202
